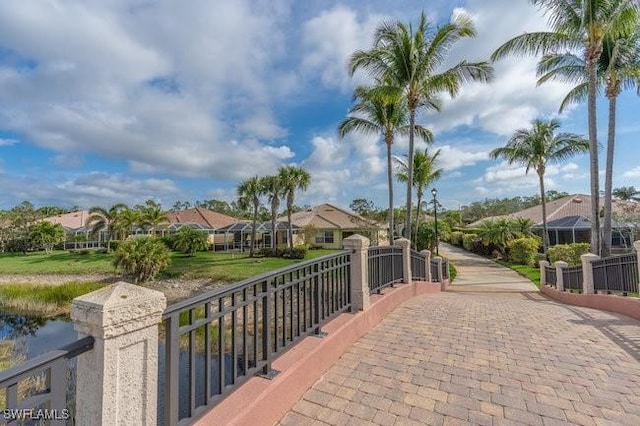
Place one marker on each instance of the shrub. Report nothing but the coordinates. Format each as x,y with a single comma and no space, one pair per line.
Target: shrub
468,241
456,238
142,257
45,235
295,253
524,251
189,241
569,253
427,234
114,244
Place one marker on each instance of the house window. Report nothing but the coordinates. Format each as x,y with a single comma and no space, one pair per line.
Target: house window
324,237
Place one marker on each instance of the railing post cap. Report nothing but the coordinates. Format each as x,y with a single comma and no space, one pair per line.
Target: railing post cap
588,257
402,242
355,241
437,258
117,309
425,253
544,263
562,264
636,244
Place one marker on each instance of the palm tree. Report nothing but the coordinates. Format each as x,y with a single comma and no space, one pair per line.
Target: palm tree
618,68
101,218
627,193
379,115
127,219
151,216
424,174
292,178
274,190
580,25
249,193
407,60
537,147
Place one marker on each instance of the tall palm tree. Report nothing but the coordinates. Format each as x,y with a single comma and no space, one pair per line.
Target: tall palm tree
618,68
407,60
293,178
424,174
151,216
249,193
388,116
274,190
580,26
101,218
127,219
535,148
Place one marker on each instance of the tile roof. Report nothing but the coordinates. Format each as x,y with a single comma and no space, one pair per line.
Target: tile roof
73,220
574,206
204,217
328,216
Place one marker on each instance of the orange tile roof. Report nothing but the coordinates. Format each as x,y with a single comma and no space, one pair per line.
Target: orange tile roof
73,220
328,216
204,217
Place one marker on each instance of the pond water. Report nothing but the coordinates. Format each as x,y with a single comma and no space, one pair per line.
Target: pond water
35,336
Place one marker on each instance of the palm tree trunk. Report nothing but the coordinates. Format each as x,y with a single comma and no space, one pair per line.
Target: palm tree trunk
608,179
593,152
543,198
418,202
390,184
412,123
289,209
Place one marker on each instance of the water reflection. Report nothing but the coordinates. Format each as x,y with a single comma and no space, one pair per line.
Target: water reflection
36,335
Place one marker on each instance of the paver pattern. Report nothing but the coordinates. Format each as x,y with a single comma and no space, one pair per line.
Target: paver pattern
491,351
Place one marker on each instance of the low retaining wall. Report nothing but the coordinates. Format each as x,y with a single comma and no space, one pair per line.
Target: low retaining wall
623,305
263,402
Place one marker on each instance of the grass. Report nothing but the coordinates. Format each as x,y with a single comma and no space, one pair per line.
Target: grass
453,272
42,299
533,274
58,262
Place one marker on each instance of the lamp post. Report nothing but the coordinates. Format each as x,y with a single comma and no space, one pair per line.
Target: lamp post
434,192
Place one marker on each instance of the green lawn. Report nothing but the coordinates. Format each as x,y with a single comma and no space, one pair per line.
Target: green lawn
526,271
218,266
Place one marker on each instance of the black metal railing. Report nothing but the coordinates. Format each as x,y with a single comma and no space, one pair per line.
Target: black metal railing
385,267
418,266
572,278
42,383
435,270
550,276
215,341
616,274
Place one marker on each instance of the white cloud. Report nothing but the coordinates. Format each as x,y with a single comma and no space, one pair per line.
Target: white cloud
452,157
330,38
7,142
633,173
67,161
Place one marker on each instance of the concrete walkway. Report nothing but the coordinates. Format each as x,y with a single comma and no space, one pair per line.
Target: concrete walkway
490,351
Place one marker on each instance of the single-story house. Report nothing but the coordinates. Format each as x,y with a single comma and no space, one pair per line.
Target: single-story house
78,232
568,220
327,225
237,236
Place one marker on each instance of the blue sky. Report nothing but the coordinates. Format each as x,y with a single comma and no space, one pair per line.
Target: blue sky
103,102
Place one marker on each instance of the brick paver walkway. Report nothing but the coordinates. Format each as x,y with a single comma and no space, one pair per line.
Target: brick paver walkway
484,353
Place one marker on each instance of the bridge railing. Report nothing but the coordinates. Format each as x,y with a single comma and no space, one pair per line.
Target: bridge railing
384,267
42,383
616,274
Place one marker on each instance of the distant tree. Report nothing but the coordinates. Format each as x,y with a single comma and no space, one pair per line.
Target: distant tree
452,217
293,179
48,211
627,193
363,207
101,218
189,241
45,235
249,193
151,215
180,205
274,190
535,148
425,172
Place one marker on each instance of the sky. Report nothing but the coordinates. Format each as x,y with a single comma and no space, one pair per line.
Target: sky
126,100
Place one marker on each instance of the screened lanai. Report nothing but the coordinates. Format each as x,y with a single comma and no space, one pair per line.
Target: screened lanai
237,236
567,230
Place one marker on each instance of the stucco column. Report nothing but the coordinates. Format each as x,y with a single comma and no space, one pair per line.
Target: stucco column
405,245
543,277
117,379
427,265
359,247
440,277
587,272
560,265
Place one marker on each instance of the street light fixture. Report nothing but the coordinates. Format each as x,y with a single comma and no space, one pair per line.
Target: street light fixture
434,192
